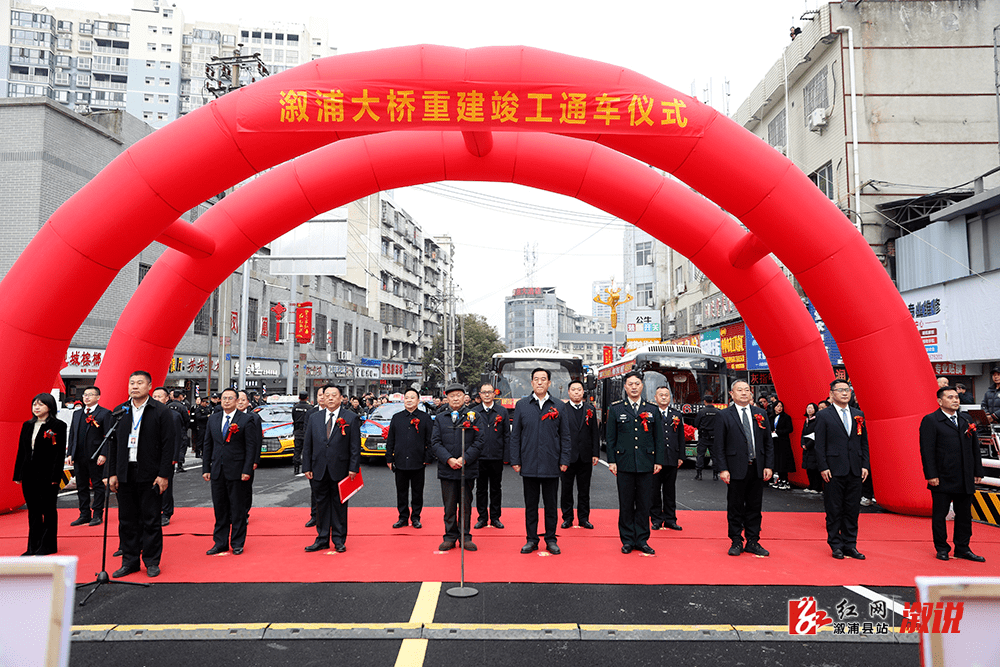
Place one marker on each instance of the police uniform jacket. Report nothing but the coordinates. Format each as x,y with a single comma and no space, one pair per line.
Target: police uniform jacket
584,433
731,452
85,437
837,450
408,445
950,454
155,450
446,443
341,453
705,420
540,446
673,437
635,444
182,427
229,460
300,414
496,439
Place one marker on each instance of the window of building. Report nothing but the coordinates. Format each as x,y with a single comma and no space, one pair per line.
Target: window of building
644,254
167,47
679,276
86,45
167,30
64,26
163,99
152,29
229,40
168,13
61,96
203,321
814,94
147,115
84,63
776,130
82,80
279,38
823,178
268,37
252,319
143,270
62,78
644,295
368,343
265,55
164,82
255,37
332,336
86,28
149,81
348,336
64,44
162,116
150,64
291,57
61,61
320,335
83,98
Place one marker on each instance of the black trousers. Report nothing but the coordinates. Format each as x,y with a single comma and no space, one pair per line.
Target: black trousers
139,529
963,520
88,473
635,496
43,520
249,492
704,453
229,501
842,498
664,507
300,439
450,491
579,472
489,489
815,479
868,487
744,498
408,481
167,499
331,514
548,489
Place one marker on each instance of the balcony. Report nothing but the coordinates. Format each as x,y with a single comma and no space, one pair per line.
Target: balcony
108,85
110,49
29,78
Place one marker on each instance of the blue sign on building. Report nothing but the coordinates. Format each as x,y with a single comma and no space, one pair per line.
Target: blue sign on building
756,361
831,345
370,362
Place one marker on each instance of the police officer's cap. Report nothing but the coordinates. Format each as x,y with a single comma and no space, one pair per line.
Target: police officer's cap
454,386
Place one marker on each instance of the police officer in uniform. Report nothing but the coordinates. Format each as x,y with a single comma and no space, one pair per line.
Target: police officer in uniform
636,452
704,421
300,412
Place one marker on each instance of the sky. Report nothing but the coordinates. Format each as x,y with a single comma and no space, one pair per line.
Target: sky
694,47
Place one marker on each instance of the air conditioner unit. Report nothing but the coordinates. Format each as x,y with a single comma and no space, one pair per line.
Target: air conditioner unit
671,329
671,316
817,120
681,289
344,355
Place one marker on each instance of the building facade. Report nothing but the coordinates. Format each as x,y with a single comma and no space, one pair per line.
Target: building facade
535,316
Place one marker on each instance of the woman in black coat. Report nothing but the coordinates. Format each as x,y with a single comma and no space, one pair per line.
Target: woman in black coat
38,469
781,431
809,462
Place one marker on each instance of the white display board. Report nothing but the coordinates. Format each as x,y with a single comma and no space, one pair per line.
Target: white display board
977,642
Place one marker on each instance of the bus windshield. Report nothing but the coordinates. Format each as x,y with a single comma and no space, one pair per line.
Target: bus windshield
514,377
686,386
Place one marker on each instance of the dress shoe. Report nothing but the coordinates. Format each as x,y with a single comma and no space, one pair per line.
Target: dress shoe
164,520
340,548
216,549
496,524
80,521
942,555
317,546
124,571
28,553
180,468
529,547
96,521
553,548
697,475
646,549
116,554
657,526
627,548
736,549
586,524
311,523
838,554
296,468
854,553
470,546
446,546
238,551
968,555
480,524
672,526
755,549
152,571
566,524
400,524
417,524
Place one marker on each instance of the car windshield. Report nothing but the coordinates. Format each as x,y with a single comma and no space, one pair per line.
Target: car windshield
384,412
275,413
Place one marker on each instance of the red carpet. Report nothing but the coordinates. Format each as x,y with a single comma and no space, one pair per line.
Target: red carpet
898,549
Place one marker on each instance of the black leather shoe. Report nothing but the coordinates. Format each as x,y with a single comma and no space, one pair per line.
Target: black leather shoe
553,548
152,571
566,524
417,524
116,554
736,549
124,571
311,523
480,524
80,521
646,549
587,525
470,546
216,549
496,524
755,549
340,548
942,555
180,468
96,521
446,546
968,555
237,551
317,546
854,553
838,554
164,520
400,524
529,547
657,526
627,548
672,526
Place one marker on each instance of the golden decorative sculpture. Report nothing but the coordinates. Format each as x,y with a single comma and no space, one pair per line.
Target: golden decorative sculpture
612,300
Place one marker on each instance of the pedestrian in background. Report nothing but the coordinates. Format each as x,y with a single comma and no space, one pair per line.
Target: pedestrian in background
809,463
781,436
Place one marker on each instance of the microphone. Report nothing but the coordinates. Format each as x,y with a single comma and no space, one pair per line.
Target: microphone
120,410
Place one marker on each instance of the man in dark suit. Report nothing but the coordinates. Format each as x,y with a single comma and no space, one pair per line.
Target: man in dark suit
744,457
162,396
86,433
953,465
450,427
229,448
407,452
140,460
663,512
244,405
636,452
331,452
539,451
496,450
319,407
585,452
842,459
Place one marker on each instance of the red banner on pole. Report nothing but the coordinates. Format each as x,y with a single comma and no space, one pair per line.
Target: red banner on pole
303,321
609,354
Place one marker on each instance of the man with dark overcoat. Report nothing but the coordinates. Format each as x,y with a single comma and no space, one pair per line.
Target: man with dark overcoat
496,450
86,433
585,452
450,427
407,452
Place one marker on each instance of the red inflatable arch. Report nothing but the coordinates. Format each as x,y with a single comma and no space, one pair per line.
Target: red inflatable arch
482,93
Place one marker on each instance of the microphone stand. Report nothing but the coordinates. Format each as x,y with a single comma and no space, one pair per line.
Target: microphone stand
102,576
462,591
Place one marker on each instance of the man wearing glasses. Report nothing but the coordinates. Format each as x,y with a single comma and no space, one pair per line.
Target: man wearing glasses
496,450
842,458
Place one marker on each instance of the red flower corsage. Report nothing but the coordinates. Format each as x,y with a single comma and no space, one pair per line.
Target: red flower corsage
676,422
342,423
590,413
645,417
760,420
860,422
497,421
233,428
93,422
415,422
971,431
468,424
551,414
51,435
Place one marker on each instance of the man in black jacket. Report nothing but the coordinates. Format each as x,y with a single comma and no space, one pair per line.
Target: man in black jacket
141,462
407,451
496,450
446,446
704,421
178,405
953,465
663,511
87,431
585,452
161,395
991,399
300,412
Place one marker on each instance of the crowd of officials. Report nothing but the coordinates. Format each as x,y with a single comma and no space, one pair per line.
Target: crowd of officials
136,449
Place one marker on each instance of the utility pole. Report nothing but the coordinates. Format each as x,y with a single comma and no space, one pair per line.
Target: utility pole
449,331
